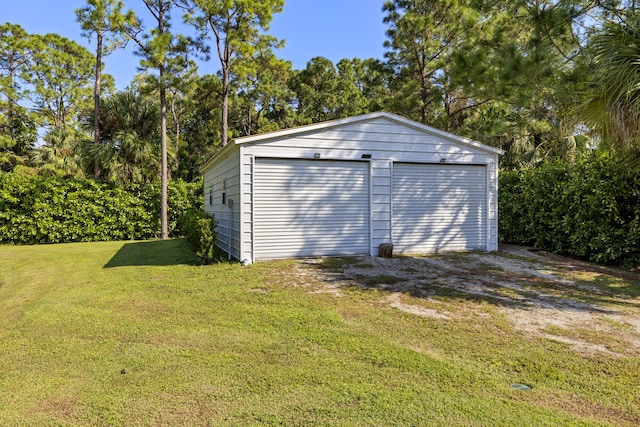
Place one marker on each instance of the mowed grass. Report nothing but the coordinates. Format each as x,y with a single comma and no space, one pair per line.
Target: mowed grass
134,333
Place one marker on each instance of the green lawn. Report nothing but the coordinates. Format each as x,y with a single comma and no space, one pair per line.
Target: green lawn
133,333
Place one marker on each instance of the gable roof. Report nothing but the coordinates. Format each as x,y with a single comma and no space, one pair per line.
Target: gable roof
347,121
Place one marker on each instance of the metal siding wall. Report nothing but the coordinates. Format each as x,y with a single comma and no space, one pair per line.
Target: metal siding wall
227,168
380,203
380,137
246,208
439,207
310,208
492,167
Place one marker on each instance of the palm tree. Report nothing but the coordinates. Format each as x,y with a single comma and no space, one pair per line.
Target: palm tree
61,151
130,140
612,105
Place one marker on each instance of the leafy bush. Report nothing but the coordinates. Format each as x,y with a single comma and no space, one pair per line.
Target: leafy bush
37,209
181,197
199,229
590,210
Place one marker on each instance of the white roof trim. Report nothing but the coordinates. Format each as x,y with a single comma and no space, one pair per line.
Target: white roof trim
364,117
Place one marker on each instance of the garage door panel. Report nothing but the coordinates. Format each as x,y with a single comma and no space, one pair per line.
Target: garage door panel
280,230
310,208
438,207
343,202
284,216
316,242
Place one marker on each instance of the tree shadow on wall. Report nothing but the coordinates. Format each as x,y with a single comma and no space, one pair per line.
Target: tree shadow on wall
153,252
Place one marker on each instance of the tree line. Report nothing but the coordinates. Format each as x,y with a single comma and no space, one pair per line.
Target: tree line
543,80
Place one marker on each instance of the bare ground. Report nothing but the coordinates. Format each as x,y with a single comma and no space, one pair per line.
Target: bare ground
593,309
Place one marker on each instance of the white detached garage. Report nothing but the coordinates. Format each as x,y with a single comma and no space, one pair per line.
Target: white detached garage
346,186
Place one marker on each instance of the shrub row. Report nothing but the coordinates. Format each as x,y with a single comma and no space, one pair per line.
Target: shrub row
36,209
199,229
590,210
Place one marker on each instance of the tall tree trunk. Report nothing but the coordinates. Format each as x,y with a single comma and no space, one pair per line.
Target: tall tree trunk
425,87
176,120
249,121
163,141
10,100
158,9
96,104
225,103
224,53
164,175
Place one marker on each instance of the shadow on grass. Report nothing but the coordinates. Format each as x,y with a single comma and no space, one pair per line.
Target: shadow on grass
154,252
459,277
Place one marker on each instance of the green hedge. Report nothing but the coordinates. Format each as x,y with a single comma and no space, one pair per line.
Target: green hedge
36,209
199,229
590,210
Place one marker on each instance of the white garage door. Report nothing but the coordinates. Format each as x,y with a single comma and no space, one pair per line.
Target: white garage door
438,208
310,208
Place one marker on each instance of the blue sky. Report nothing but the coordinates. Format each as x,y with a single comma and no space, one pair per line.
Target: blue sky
334,29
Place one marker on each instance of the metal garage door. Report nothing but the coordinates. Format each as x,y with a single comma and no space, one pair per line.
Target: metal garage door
438,208
310,208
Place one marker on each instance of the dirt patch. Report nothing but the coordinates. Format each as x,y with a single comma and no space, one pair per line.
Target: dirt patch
578,406
394,300
594,310
59,407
